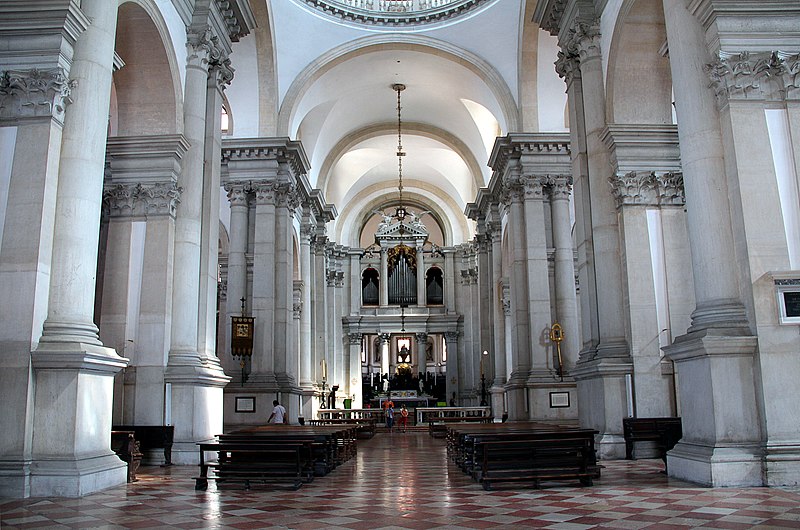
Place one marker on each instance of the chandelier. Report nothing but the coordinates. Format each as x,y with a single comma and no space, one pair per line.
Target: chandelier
400,212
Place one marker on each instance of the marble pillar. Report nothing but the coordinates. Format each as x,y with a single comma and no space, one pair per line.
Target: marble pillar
70,453
715,359
354,370
452,383
497,390
264,283
520,353
238,197
306,360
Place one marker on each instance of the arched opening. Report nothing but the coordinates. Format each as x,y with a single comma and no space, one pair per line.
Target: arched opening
434,286
370,287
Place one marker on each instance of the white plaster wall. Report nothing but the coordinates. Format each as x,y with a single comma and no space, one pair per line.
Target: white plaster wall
552,97
8,139
786,175
242,93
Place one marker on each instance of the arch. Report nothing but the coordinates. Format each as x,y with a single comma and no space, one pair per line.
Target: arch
354,215
639,84
267,80
148,88
370,287
413,128
485,71
434,286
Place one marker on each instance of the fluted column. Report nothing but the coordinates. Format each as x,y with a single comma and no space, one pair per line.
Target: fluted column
566,299
715,359
70,452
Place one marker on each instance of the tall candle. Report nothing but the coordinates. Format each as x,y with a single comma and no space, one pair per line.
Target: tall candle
324,370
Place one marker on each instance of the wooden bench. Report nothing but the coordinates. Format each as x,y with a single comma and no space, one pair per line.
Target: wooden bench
437,427
665,432
287,462
152,437
124,444
533,460
523,452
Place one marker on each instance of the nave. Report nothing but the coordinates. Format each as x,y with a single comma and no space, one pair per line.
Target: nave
405,481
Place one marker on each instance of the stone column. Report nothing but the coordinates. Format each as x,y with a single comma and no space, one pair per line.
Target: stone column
419,358
520,353
566,299
237,263
384,283
421,292
306,361
601,370
385,338
70,452
354,370
264,278
449,281
497,390
283,352
715,358
452,383
139,200
321,300
295,401
355,281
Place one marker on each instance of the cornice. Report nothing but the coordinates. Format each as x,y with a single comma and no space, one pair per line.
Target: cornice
643,147
419,14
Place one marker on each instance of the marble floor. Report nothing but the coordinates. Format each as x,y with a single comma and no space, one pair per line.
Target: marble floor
404,481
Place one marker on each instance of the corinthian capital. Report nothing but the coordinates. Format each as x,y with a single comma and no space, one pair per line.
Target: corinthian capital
142,199
34,93
790,73
746,76
583,39
568,66
221,72
670,189
265,192
202,48
634,188
237,193
560,186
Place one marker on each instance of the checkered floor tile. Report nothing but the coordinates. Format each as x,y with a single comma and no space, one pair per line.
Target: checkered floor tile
404,481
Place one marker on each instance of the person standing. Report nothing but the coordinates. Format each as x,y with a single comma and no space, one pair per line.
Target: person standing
389,412
278,413
403,422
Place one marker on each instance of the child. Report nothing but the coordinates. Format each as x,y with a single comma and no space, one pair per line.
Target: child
403,417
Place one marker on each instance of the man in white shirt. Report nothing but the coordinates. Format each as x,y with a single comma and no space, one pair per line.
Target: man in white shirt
278,413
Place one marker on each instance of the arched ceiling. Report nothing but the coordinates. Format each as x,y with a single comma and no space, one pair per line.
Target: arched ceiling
342,107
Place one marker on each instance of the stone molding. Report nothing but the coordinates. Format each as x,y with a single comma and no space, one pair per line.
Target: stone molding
568,66
35,93
643,188
451,336
505,298
761,76
409,13
141,200
469,276
354,338
559,187
582,39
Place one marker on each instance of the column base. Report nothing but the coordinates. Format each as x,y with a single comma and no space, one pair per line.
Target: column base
498,401
609,446
15,479
707,465
782,465
516,398
76,477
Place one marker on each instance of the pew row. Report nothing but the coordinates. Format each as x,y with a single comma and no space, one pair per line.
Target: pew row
525,452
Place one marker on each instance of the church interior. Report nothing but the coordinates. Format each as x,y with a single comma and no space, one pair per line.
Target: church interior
568,212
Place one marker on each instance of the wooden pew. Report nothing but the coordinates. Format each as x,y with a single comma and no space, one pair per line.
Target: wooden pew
533,460
287,462
523,452
127,448
666,432
152,437
437,427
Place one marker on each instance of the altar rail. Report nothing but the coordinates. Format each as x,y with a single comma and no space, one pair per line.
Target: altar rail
351,414
428,414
